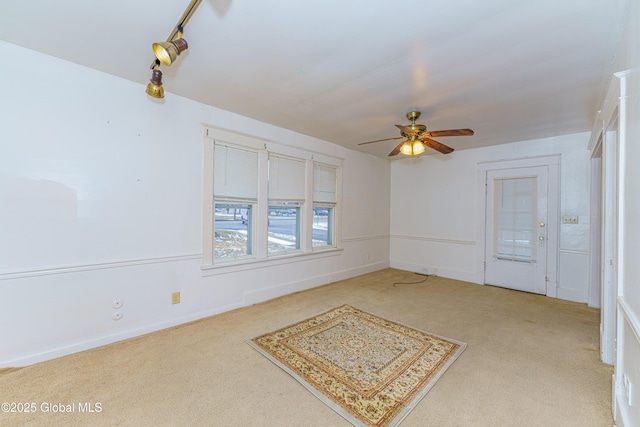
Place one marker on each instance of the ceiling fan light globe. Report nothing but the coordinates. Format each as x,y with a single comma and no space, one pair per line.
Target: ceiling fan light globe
406,148
418,147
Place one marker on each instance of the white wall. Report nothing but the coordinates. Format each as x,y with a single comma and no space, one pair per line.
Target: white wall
434,210
101,200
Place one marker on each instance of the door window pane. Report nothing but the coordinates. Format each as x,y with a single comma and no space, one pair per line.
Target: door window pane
515,219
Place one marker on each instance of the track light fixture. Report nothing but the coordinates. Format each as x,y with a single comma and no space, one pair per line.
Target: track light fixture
154,88
167,52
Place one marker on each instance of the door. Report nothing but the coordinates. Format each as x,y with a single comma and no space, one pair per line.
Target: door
516,228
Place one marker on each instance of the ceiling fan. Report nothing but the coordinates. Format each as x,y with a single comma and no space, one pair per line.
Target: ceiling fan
416,137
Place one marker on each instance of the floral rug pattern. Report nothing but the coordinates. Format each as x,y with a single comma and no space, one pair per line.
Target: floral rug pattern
372,371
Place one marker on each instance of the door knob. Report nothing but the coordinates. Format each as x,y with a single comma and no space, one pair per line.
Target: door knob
542,224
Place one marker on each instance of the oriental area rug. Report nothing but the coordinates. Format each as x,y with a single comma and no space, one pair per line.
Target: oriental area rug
370,370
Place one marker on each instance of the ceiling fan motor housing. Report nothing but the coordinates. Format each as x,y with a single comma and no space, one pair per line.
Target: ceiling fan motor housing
416,128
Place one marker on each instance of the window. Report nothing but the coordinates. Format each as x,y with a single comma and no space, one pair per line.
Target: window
286,198
324,202
265,201
235,184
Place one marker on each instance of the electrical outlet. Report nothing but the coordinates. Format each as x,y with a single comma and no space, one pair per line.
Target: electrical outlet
175,298
570,219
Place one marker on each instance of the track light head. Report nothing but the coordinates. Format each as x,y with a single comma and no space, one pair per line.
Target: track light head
154,88
167,52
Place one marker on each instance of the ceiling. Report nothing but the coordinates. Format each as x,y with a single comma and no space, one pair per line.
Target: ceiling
347,71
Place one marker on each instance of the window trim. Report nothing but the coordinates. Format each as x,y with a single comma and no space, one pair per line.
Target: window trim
261,256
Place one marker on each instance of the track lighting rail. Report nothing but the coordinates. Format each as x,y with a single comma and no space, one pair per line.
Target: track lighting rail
167,52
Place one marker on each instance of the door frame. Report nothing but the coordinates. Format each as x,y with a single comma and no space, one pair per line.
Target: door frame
605,143
553,213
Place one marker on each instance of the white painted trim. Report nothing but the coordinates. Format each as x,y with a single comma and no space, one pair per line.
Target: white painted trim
265,294
208,210
595,231
620,406
620,234
621,414
481,224
630,316
364,239
258,142
553,213
233,137
258,263
521,162
576,295
573,251
608,251
606,112
100,266
465,276
434,239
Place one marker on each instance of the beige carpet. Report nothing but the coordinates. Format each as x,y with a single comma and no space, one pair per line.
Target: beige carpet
530,361
372,371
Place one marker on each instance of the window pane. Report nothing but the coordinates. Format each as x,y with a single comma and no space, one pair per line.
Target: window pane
515,225
284,227
322,226
324,183
235,173
233,230
286,178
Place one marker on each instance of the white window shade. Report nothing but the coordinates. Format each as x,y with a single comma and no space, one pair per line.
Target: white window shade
515,227
235,173
324,184
286,178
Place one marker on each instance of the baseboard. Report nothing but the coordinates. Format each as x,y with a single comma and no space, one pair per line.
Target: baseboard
265,294
575,295
465,276
622,416
66,350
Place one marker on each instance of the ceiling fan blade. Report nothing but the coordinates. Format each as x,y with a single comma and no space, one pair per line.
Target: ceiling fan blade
450,132
396,150
380,140
436,145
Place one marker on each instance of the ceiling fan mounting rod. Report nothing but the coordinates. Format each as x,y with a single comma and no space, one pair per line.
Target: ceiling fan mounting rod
413,116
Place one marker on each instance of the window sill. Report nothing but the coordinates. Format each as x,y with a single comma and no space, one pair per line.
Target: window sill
273,260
